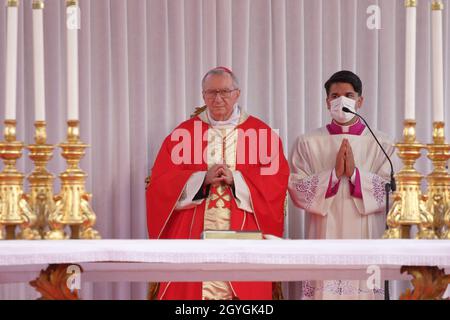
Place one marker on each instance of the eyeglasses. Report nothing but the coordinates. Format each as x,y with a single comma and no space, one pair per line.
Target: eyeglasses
225,94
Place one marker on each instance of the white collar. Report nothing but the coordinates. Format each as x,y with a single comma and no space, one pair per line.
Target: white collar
345,129
232,121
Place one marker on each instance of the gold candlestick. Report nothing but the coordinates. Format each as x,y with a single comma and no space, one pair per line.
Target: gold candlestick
409,206
12,3
446,232
37,4
41,181
437,5
438,203
72,204
14,208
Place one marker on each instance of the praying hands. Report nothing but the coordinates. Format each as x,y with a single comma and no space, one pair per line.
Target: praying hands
345,162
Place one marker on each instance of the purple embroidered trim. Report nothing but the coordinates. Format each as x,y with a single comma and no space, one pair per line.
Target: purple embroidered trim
378,191
335,287
308,187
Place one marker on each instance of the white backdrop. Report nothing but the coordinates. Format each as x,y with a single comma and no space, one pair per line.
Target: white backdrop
141,63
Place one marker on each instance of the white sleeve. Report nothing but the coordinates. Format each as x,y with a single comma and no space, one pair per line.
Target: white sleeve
372,183
334,178
242,192
353,177
191,188
373,194
308,189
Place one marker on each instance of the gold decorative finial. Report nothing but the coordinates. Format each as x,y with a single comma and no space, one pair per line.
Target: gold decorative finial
12,3
70,3
38,4
437,5
410,3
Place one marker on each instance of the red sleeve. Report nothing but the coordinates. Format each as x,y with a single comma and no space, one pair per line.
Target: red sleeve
167,181
268,191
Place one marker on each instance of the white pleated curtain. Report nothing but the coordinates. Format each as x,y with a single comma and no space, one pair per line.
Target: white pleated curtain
141,63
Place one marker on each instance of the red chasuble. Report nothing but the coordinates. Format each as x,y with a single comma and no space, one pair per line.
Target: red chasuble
268,193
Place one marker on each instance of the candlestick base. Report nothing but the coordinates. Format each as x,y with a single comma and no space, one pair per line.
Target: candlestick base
15,209
438,203
72,207
41,181
409,206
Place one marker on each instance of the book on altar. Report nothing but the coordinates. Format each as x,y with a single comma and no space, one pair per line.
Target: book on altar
237,235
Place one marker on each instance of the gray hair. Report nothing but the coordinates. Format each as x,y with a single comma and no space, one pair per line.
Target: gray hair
219,72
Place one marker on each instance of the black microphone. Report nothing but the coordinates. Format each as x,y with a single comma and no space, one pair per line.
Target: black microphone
393,186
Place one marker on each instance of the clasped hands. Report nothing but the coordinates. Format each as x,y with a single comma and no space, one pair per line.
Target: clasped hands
345,166
345,162
219,174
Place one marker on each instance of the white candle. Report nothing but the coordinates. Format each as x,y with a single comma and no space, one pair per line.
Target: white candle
438,62
410,60
72,60
11,60
38,54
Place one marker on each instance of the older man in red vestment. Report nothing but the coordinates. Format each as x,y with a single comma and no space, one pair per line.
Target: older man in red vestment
221,170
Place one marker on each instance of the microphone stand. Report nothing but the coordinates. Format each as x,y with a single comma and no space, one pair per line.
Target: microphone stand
388,187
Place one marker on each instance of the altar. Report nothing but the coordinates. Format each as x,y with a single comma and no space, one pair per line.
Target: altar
238,260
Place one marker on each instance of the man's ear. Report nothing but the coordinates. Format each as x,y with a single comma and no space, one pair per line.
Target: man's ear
328,103
360,102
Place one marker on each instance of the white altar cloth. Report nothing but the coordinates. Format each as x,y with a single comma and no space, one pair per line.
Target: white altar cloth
195,260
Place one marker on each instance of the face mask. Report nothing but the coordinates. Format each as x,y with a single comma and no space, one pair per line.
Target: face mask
336,109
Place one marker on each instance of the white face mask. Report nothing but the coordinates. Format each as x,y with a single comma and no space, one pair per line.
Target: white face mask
336,109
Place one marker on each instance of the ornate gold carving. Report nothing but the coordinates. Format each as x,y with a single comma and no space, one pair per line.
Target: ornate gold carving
41,181
438,203
70,3
153,289
430,283
410,206
38,4
410,3
147,182
197,111
277,291
72,206
12,3
437,6
52,283
14,206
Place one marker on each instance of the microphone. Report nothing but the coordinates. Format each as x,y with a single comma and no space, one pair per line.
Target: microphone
393,185
388,186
